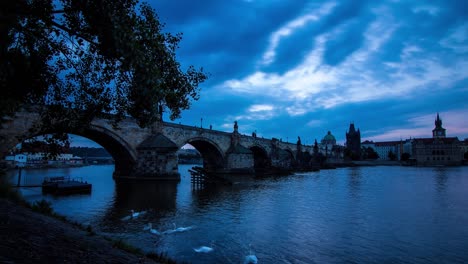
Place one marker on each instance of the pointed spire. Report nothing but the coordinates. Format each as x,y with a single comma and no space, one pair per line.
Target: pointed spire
351,128
438,121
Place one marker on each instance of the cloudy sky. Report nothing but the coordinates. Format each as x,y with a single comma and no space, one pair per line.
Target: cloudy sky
301,68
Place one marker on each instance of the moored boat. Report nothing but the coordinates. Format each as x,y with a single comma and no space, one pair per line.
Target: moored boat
65,185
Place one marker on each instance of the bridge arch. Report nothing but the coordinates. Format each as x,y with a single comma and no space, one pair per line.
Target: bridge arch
261,158
213,156
123,154
291,154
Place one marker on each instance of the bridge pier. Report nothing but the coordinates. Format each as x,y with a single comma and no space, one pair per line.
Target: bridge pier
157,159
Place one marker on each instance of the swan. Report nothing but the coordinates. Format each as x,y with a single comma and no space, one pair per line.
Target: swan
181,229
151,229
136,214
154,231
148,226
204,249
251,258
177,229
132,215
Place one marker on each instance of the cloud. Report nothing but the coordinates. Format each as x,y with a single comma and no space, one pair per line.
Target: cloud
359,77
288,29
314,123
431,10
457,39
421,126
258,112
318,65
260,108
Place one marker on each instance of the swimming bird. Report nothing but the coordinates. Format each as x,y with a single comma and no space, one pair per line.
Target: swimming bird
148,226
251,258
136,214
181,229
151,229
177,229
154,231
132,215
204,249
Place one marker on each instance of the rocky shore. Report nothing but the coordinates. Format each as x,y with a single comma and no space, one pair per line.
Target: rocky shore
30,237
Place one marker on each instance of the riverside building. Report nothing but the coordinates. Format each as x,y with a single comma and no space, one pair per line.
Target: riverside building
439,150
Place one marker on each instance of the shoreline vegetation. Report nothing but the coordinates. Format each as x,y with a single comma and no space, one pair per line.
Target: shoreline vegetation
35,233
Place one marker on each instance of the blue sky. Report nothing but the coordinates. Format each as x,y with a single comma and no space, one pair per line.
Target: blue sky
300,68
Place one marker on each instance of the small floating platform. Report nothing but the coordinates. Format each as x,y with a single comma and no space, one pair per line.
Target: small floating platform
65,185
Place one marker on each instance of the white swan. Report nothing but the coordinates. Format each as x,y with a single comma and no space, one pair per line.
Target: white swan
132,215
204,249
181,229
154,231
251,258
136,214
151,229
177,229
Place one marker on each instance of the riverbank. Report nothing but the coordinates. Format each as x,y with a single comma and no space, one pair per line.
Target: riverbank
30,237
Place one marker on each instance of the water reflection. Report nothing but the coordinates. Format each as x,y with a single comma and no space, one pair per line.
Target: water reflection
160,196
440,179
354,182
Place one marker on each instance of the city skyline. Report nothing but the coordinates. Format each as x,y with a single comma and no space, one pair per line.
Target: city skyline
302,69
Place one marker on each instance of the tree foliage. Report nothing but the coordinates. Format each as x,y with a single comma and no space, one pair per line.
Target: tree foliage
391,155
89,58
369,153
405,156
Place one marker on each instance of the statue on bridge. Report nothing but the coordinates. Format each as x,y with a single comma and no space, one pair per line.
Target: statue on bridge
236,127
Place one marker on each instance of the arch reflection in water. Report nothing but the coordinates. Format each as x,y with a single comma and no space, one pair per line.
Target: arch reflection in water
143,196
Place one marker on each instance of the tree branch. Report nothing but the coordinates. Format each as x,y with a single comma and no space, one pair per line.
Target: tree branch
70,32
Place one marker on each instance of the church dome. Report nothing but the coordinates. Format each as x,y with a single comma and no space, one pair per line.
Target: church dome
329,137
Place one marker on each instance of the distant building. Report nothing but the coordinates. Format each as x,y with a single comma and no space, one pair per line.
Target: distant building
464,146
384,148
353,142
16,160
36,160
330,149
438,150
327,143
408,146
438,131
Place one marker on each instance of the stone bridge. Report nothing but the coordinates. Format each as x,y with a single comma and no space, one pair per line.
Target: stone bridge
150,153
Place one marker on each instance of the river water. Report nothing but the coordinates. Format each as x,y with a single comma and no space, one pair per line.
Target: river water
348,215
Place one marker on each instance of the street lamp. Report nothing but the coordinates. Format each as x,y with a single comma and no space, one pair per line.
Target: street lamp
201,122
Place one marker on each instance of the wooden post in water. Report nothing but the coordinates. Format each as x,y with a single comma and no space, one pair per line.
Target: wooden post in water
198,177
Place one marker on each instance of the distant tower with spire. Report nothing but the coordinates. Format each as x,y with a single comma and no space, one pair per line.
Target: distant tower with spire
353,142
438,131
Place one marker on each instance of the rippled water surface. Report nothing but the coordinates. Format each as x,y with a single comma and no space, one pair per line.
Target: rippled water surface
354,215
